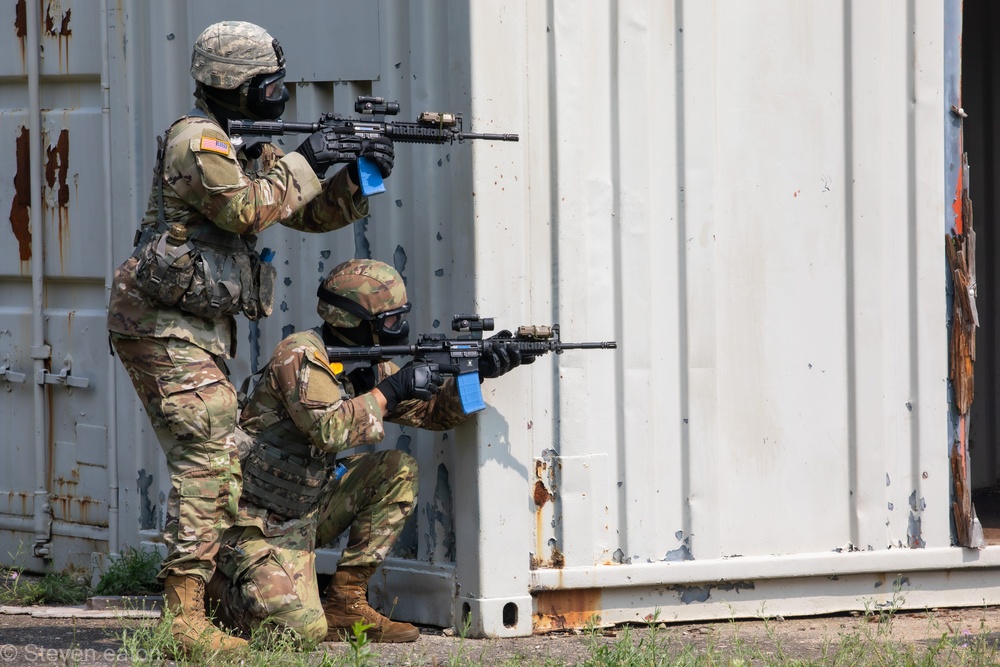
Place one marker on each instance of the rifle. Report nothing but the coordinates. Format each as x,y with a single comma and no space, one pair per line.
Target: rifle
463,353
431,127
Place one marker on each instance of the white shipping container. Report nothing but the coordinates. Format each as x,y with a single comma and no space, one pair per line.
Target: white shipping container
754,199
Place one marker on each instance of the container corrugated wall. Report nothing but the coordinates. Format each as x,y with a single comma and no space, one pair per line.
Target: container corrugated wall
749,197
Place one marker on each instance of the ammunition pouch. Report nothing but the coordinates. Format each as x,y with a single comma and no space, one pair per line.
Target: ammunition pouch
284,474
209,274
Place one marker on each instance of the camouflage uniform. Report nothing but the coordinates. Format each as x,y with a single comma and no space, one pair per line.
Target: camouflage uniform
174,358
268,560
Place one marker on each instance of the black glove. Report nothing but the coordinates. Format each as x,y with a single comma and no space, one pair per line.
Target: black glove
326,147
417,379
501,355
380,150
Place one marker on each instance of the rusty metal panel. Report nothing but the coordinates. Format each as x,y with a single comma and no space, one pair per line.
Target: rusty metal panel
69,38
56,486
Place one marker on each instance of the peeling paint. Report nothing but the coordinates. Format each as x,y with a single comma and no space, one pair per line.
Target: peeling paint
362,248
149,512
913,533
689,594
439,517
683,552
399,261
58,27
287,281
287,330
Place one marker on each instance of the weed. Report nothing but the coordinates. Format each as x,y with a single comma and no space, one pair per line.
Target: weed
361,651
19,589
132,573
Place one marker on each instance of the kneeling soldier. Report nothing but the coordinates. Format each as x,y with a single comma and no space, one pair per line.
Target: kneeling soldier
297,496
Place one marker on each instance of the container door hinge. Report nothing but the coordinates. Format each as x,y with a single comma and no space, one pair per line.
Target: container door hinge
7,374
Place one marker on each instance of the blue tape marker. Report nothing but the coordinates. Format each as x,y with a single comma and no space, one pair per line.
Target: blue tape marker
469,392
371,177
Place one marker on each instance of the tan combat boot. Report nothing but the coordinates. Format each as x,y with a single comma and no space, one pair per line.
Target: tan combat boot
185,597
347,602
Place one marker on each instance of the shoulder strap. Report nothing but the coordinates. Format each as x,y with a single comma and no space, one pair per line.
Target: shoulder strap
243,395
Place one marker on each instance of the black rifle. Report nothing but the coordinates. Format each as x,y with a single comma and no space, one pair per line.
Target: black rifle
463,353
431,127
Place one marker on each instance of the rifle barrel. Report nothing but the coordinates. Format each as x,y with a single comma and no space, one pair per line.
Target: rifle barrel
603,345
489,137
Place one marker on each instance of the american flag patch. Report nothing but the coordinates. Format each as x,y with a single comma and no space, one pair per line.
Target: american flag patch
214,145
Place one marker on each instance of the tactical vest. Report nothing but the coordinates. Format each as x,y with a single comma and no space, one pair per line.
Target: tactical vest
197,267
284,473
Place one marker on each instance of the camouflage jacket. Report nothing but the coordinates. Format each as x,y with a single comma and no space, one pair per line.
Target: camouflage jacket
206,182
300,384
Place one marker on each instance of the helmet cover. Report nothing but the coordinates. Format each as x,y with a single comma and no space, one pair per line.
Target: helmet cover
229,53
373,285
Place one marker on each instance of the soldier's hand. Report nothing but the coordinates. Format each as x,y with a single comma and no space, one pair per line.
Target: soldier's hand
417,379
501,355
381,151
325,147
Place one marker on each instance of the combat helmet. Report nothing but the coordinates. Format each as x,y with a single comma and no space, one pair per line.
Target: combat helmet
365,290
230,53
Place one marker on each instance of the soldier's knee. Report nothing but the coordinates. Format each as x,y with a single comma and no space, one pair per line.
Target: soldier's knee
402,467
314,631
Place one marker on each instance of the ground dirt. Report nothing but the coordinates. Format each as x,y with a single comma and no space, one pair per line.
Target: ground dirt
27,640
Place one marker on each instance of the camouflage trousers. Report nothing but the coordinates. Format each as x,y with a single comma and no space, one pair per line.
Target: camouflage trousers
271,581
192,407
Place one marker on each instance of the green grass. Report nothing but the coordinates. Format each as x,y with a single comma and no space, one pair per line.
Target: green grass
868,643
131,573
19,589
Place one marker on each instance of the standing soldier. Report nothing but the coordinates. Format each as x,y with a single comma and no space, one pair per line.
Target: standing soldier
195,266
297,496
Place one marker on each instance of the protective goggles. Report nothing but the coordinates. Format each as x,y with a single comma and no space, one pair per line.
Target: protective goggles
388,323
267,88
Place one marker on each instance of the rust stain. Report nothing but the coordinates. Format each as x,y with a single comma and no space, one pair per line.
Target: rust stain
62,32
56,172
20,204
24,496
565,610
542,495
558,559
75,509
21,19
956,204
